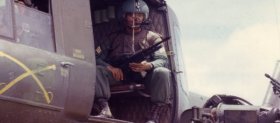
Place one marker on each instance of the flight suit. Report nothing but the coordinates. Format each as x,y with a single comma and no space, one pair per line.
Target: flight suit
119,44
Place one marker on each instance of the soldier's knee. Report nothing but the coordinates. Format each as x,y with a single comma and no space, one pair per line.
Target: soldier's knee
100,69
161,71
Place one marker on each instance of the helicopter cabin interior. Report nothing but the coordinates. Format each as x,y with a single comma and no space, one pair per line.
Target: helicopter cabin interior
128,102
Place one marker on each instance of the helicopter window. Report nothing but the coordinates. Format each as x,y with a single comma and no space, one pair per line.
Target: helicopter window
6,23
34,28
41,5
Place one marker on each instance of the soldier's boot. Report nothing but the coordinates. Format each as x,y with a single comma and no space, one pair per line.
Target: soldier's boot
155,112
105,111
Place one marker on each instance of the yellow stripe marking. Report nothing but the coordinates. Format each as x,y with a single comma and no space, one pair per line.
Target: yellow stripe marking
27,73
24,75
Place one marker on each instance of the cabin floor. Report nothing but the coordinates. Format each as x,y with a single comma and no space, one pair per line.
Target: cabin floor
134,108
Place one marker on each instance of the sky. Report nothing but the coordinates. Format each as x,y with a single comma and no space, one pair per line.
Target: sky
229,45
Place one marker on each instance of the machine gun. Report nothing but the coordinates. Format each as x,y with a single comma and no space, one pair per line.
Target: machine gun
275,85
138,57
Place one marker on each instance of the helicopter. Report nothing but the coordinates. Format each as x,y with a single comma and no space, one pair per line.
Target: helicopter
47,58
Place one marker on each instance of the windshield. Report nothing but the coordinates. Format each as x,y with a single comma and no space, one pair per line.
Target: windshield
229,45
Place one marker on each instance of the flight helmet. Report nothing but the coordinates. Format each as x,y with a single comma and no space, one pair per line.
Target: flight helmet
134,6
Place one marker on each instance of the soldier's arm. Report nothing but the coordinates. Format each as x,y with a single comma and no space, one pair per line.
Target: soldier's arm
159,57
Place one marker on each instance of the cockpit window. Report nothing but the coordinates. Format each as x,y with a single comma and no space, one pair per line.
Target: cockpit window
6,23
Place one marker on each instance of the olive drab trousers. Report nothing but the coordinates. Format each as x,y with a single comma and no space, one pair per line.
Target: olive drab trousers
157,81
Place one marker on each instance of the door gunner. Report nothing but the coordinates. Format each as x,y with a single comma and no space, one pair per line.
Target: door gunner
130,40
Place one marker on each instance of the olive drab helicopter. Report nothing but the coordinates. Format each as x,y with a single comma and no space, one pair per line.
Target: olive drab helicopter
47,59
48,67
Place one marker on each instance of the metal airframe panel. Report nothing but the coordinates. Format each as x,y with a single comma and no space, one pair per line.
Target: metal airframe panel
34,28
6,19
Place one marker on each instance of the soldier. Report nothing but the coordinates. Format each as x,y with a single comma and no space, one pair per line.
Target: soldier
131,39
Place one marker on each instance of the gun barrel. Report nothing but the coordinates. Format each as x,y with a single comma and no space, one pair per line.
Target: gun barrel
274,82
272,79
163,40
267,75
